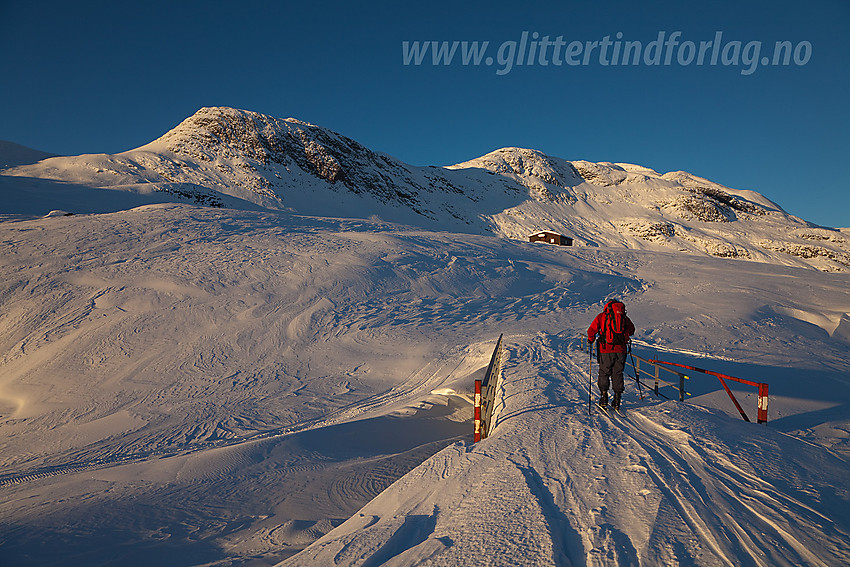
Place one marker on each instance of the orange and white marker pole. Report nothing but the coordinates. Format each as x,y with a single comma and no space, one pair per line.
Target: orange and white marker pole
477,416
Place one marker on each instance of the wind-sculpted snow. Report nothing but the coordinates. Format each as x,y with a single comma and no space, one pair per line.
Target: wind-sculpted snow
666,485
192,385
173,344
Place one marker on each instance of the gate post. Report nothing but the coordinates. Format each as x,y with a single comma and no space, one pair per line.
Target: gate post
762,413
477,415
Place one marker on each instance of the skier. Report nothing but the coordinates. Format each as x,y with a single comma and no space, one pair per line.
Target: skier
614,329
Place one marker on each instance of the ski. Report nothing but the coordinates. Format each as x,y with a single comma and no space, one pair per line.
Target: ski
609,410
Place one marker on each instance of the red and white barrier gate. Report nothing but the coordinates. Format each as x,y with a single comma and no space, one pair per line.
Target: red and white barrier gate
762,388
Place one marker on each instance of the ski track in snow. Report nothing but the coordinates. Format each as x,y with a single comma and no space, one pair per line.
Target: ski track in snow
215,387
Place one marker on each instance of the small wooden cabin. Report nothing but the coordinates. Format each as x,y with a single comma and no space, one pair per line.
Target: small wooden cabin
551,238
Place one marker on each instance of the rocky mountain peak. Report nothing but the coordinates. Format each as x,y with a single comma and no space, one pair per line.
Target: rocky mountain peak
226,133
524,162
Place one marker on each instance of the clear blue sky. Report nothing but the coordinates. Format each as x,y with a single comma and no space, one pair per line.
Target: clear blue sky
85,77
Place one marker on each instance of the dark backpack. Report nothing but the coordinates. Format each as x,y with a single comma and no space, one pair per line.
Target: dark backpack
614,323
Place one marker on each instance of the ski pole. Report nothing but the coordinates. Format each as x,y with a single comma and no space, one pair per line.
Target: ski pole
634,367
590,378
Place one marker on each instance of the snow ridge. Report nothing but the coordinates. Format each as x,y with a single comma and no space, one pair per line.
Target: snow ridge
12,155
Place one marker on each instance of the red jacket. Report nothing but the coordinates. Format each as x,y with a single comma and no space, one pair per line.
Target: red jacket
596,328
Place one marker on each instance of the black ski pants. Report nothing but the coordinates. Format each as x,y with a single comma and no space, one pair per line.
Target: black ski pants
611,366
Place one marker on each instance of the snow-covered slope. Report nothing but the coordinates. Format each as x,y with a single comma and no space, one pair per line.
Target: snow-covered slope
241,356
192,385
12,155
236,158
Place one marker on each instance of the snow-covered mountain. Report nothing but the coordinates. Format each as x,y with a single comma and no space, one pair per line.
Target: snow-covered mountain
192,385
229,157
